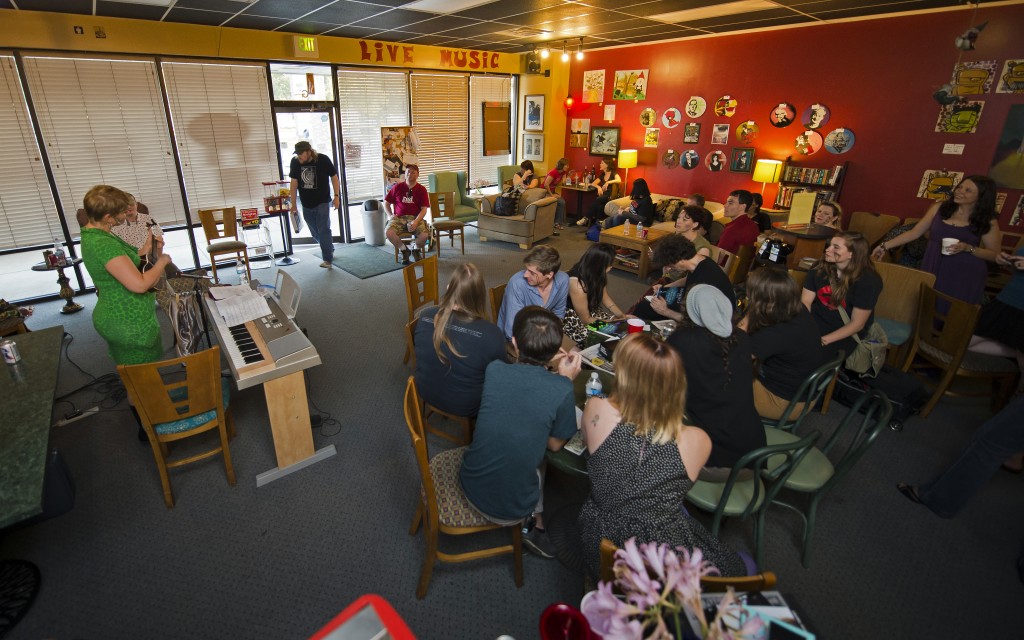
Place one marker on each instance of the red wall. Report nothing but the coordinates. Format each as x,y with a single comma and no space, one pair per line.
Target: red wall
876,76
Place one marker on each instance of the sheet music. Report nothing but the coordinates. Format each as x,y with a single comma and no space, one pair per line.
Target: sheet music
240,308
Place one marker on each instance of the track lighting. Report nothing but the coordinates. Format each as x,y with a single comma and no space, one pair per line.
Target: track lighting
579,50
565,52
545,52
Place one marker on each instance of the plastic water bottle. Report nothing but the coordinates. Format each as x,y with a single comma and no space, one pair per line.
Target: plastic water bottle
625,230
58,252
640,230
594,386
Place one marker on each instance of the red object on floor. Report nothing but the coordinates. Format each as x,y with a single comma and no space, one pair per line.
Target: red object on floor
371,613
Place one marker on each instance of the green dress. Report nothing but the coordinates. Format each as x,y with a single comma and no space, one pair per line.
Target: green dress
126,320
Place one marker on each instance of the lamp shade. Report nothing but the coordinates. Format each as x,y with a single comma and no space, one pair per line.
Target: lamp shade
627,158
767,171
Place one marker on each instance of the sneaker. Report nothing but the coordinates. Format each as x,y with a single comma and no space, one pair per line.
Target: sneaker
559,226
582,222
405,256
539,543
417,254
326,264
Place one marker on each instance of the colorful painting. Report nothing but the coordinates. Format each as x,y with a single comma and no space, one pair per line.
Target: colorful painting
691,132
690,159
720,135
651,137
593,86
670,159
715,161
648,117
746,132
960,117
696,106
839,141
579,128
578,140
782,115
726,106
1017,219
975,77
808,142
671,118
630,85
604,141
815,116
399,146
1008,164
938,184
1012,78
742,160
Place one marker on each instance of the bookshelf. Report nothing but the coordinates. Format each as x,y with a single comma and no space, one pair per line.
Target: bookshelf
825,182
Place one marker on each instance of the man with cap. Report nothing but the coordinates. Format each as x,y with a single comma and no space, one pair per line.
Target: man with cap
407,203
310,173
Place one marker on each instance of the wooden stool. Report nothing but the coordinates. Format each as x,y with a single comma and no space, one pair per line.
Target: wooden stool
451,228
405,237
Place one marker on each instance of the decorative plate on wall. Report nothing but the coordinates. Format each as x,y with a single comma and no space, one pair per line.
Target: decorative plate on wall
696,106
808,142
690,159
648,117
782,115
671,118
840,141
716,160
746,132
726,106
670,159
815,116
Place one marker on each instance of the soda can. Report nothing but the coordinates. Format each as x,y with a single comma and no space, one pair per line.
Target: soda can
10,351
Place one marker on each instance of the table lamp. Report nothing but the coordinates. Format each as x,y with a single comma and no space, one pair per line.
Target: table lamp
627,161
767,171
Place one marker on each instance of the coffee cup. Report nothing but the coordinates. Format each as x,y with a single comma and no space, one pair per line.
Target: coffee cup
635,325
947,244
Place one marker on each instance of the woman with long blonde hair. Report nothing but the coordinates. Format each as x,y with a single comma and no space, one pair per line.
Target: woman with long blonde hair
454,343
644,458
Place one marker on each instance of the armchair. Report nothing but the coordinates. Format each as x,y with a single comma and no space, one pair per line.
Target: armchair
534,219
455,182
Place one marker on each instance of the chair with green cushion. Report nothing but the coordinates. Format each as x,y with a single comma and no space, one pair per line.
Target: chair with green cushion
813,388
505,173
455,182
817,472
751,486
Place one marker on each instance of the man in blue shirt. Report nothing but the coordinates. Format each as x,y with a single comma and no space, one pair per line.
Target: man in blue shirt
540,283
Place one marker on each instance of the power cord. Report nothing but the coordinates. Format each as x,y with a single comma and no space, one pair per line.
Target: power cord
324,417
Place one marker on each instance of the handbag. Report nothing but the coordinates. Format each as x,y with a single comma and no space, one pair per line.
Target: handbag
868,356
507,203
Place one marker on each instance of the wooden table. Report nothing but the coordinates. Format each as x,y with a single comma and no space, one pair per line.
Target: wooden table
808,240
617,238
580,190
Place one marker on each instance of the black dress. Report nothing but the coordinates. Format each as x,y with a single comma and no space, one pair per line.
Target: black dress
637,490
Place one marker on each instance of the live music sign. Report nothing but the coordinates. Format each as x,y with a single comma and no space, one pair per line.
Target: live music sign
450,58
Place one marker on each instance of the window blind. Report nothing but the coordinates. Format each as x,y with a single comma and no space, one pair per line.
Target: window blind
486,89
224,131
103,122
439,105
28,214
369,100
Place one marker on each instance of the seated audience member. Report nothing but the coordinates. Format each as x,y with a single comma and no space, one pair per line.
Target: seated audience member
763,220
602,183
138,229
693,224
696,200
845,277
784,339
521,181
640,209
406,204
742,230
720,389
588,293
1000,328
527,407
525,178
643,459
829,214
540,283
552,180
454,345
678,254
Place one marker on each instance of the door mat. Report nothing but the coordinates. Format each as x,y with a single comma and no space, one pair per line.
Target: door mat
363,261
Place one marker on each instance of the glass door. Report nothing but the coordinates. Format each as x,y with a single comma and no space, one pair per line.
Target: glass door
315,124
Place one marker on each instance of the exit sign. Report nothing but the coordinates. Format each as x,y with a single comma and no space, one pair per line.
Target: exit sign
305,47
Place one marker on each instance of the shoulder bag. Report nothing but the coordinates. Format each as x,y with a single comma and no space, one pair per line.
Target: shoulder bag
868,356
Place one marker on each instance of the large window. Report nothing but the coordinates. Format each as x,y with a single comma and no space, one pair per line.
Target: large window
441,120
224,129
487,89
27,212
368,101
103,122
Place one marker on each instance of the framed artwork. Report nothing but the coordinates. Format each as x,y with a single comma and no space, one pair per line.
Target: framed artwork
742,160
533,146
534,112
630,85
593,86
720,135
579,130
691,132
604,141
497,128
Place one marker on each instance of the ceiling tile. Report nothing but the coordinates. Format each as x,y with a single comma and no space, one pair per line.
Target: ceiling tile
61,6
291,9
261,23
437,24
744,20
479,29
195,16
503,9
345,13
309,26
126,10
398,18
227,6
348,31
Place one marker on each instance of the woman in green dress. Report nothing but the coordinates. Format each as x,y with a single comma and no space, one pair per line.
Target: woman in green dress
125,314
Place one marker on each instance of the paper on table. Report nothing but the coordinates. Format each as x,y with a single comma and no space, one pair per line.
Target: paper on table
220,293
242,308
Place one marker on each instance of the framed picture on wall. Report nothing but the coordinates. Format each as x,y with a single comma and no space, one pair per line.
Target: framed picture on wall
533,146
742,160
533,116
604,141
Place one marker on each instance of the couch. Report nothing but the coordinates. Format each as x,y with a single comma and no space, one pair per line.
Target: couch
666,210
455,182
534,219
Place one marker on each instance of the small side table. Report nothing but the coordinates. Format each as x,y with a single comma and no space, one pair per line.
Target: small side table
66,292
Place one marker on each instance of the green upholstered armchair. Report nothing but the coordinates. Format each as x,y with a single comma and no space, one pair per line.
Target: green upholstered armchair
455,182
505,173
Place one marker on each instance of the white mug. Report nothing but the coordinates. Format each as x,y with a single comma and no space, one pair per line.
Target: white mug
947,244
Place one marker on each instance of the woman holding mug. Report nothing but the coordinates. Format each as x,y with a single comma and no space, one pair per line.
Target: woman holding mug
606,176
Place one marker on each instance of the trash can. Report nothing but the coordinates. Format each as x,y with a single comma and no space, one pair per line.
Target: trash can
373,223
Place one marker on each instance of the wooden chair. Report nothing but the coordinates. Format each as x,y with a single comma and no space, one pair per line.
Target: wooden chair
746,494
497,294
221,229
799,277
442,213
741,266
815,387
724,259
941,339
443,507
709,584
817,473
172,409
465,422
896,309
872,225
421,289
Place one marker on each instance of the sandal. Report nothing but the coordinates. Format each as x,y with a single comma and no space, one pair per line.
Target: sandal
909,491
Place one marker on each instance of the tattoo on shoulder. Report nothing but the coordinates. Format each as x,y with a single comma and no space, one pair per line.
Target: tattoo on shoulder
595,419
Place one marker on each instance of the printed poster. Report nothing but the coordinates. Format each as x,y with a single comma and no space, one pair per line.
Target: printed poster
399,147
970,78
960,117
938,185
